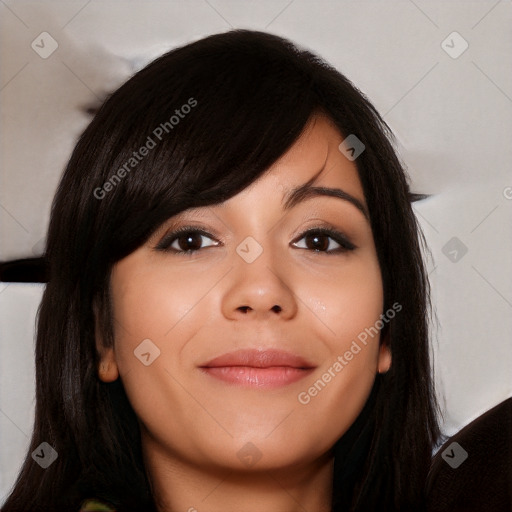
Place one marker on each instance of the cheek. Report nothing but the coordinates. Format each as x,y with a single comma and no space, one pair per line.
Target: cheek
152,318
347,308
158,310
347,301
152,305
147,313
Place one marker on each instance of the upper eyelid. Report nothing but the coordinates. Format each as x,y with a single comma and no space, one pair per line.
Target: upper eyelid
181,226
207,231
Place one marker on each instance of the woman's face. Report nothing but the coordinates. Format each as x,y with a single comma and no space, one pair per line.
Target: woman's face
258,277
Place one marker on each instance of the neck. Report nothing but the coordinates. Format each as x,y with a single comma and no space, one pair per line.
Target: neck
178,486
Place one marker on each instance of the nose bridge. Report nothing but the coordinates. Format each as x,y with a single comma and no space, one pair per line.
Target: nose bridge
259,282
257,263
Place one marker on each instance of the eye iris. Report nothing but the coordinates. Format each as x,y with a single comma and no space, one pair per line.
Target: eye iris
317,244
189,239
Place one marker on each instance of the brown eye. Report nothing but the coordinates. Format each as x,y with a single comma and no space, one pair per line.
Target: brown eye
325,240
191,241
317,242
184,240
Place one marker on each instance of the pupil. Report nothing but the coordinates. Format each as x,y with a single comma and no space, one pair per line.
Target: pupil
189,239
318,245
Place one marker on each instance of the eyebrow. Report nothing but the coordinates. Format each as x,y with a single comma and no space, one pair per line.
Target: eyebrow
307,190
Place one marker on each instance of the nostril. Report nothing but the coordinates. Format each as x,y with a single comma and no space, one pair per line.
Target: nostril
245,309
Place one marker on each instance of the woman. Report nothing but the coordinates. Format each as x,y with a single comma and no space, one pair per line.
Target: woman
237,308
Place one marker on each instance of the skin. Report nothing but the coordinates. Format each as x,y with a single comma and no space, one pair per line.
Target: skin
192,308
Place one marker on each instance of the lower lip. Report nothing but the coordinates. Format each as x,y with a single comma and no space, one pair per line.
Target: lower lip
261,378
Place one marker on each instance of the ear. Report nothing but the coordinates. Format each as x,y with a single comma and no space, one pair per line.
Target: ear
107,366
384,361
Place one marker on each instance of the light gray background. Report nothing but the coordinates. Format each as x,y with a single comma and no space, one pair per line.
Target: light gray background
452,117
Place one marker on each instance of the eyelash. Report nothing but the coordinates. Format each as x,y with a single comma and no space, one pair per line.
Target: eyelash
344,244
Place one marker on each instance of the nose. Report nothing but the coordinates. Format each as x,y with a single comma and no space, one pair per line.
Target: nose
260,289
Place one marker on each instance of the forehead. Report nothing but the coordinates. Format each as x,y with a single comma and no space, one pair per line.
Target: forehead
315,156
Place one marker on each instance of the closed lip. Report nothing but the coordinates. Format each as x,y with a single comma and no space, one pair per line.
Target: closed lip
259,359
258,368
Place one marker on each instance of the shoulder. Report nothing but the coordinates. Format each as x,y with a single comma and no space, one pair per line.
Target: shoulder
472,470
93,505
